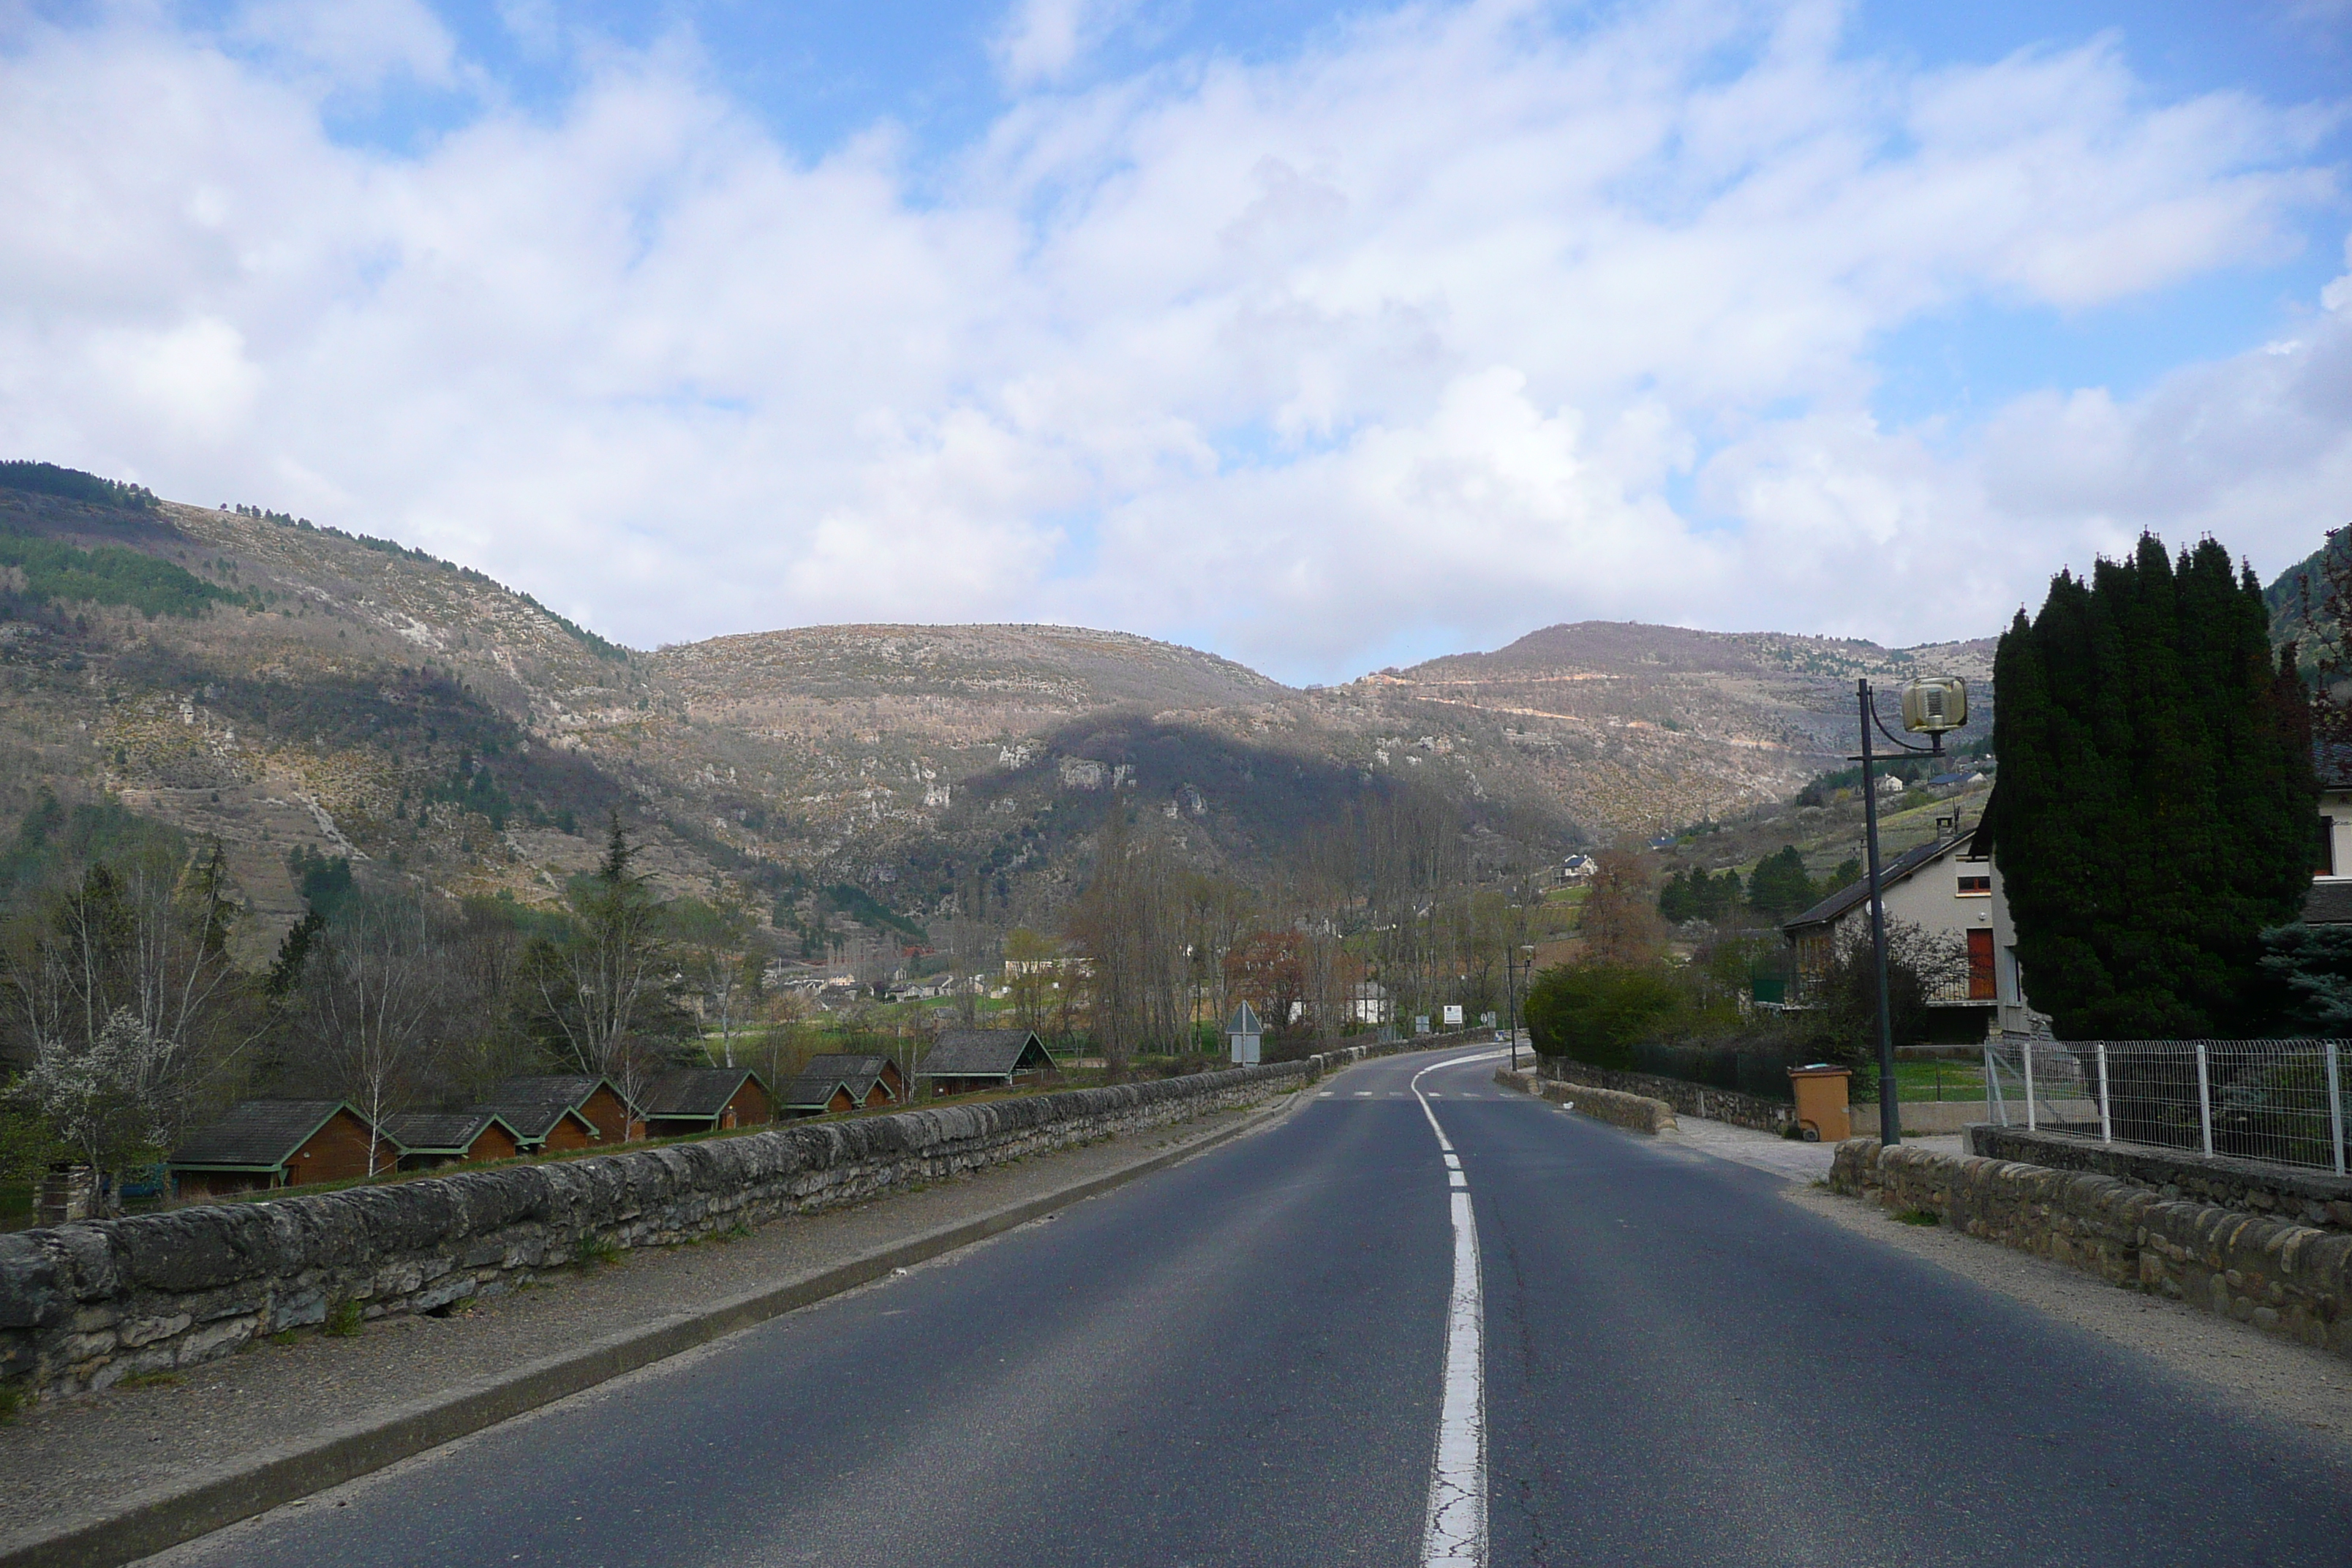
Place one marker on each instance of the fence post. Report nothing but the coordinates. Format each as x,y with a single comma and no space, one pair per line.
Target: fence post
1995,1102
2027,1048
2107,1123
2204,1099
2335,1106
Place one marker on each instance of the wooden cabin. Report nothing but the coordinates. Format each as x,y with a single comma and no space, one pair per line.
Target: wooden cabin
843,1083
966,1061
265,1143
430,1139
706,1099
535,1108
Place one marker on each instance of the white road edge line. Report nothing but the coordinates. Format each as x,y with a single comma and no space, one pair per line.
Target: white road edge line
1455,1535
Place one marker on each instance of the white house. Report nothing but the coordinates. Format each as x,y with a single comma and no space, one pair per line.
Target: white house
1944,888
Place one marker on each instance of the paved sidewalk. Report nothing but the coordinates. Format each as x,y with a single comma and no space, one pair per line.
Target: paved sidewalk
79,1459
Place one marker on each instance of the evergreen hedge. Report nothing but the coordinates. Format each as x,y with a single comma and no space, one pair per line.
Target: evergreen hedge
2154,807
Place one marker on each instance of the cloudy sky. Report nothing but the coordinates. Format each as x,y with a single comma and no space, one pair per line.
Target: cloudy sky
1326,338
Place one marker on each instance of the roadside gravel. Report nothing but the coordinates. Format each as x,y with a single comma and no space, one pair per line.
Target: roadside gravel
75,1458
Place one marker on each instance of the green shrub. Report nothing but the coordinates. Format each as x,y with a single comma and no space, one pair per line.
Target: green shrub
1595,1014
342,1321
594,1250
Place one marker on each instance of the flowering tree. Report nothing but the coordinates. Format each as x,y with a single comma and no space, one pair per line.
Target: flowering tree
102,1095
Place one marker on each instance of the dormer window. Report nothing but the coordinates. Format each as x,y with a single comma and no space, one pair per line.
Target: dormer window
1976,887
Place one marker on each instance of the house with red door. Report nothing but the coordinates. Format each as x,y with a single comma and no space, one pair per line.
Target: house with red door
1946,888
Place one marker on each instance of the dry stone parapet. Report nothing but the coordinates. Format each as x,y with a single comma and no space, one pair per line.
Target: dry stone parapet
85,1305
2280,1277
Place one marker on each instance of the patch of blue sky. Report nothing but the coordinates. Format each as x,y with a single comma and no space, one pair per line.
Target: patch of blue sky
1077,550
1256,443
1949,371
2288,51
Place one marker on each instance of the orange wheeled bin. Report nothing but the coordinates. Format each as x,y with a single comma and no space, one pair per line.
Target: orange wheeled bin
1821,1113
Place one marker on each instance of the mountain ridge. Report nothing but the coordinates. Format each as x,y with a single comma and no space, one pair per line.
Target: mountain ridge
349,695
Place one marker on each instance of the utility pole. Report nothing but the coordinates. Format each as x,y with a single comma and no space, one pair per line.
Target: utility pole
1890,1115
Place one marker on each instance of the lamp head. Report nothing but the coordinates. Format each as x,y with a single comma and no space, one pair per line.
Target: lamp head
1936,705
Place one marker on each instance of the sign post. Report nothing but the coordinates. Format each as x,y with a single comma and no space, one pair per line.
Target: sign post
1245,1033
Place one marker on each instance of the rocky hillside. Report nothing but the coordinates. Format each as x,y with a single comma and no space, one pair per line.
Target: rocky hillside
1633,728
275,684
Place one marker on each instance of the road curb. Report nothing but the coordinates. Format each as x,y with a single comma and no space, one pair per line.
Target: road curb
151,1523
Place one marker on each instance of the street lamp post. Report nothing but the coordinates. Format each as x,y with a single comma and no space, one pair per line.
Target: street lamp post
1511,1001
1931,708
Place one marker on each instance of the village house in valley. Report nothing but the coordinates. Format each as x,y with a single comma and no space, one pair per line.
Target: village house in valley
1946,888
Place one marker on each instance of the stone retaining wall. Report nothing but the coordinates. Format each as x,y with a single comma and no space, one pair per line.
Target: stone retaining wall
1639,1113
2282,1278
84,1305
2316,1198
1690,1098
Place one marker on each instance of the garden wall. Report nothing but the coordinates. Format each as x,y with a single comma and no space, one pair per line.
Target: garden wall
1689,1098
2316,1198
2282,1278
84,1305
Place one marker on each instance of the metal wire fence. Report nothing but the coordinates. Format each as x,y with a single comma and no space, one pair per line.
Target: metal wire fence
2284,1101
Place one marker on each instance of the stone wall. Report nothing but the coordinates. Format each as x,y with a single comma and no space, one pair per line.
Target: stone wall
1690,1098
1619,1110
2282,1278
2316,1198
84,1305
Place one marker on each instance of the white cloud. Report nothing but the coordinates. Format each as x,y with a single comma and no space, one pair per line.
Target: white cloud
1416,331
1042,39
356,43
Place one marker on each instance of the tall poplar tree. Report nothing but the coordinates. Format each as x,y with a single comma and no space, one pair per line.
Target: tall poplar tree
2154,806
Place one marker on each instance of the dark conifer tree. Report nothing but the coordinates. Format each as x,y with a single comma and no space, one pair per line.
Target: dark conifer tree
2153,811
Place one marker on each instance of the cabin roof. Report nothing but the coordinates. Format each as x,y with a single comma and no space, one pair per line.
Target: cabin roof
442,1131
531,1107
694,1092
985,1053
812,1088
258,1135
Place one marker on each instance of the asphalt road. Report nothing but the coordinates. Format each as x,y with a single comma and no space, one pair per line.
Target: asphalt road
1247,1360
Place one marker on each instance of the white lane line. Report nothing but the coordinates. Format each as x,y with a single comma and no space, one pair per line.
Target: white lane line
1454,1533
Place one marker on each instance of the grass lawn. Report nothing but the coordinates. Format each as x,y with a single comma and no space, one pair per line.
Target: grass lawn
1940,1080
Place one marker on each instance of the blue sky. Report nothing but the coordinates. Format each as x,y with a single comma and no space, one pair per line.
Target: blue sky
1328,338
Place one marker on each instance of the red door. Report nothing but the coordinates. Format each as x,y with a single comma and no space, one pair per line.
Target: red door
1980,981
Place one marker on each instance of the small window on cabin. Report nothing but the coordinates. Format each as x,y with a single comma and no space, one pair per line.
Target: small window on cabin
1976,888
